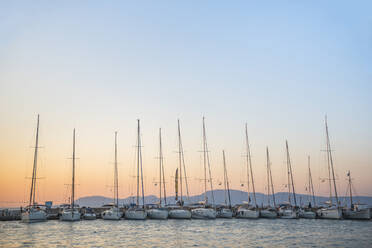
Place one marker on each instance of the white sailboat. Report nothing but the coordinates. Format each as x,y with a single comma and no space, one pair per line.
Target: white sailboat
356,211
160,212
179,211
206,212
288,211
114,213
71,213
138,212
332,211
225,211
307,211
34,212
248,211
269,211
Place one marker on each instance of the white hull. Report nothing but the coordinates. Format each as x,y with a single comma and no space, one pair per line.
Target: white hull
203,213
135,214
268,214
68,215
307,214
225,213
179,214
289,214
112,214
327,213
159,214
89,216
34,216
363,214
244,213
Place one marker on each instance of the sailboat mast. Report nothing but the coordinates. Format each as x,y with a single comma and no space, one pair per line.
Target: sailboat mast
226,178
205,166
291,173
268,175
331,162
180,159
73,172
247,164
182,156
351,193
271,179
33,180
116,180
160,166
140,163
311,186
138,158
208,162
250,165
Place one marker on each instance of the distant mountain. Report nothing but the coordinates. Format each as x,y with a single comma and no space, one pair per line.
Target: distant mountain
237,197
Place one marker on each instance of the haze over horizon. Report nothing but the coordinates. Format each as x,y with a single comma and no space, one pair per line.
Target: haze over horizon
280,67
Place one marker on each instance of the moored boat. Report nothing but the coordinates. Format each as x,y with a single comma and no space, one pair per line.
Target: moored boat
269,213
247,212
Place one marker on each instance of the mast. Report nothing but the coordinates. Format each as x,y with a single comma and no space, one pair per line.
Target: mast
290,173
226,179
73,172
351,193
33,180
311,187
250,166
205,166
331,161
139,165
181,159
206,159
161,169
116,180
270,175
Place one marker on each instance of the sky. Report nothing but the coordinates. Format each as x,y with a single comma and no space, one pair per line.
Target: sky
279,66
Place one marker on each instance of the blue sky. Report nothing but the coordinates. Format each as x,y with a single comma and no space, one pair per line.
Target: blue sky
278,65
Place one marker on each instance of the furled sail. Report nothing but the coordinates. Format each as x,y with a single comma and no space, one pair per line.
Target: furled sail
176,184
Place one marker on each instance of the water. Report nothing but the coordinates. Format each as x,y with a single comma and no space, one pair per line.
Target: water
188,233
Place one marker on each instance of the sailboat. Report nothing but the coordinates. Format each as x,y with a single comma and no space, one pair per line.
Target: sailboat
138,212
269,211
160,212
248,211
307,211
206,212
288,211
71,213
179,211
332,211
225,211
356,211
33,212
114,212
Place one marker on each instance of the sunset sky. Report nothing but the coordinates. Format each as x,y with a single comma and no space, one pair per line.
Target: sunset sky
279,66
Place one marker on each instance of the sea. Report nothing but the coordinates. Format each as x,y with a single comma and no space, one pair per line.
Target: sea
188,233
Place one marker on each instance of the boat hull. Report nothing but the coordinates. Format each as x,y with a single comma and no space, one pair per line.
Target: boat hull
138,214
203,213
158,214
112,214
34,216
334,213
90,216
363,214
225,213
269,214
307,214
70,216
179,214
289,214
244,213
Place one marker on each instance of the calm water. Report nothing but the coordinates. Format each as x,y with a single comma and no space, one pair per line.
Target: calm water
188,233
